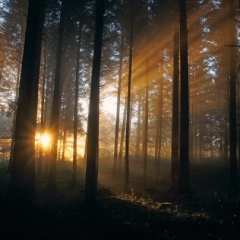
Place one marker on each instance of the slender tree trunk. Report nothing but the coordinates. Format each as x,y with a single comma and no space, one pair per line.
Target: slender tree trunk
119,170
14,120
233,181
46,162
16,99
43,99
75,121
175,111
184,178
159,124
114,170
137,154
22,183
56,103
93,117
145,135
126,180
62,148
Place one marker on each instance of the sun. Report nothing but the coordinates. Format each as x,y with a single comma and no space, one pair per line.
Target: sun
45,140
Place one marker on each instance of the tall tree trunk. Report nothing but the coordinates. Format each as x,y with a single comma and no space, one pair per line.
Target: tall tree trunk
137,154
233,181
184,178
56,103
145,135
175,111
158,149
126,179
114,170
75,121
16,99
22,183
63,139
43,100
93,117
119,170
14,119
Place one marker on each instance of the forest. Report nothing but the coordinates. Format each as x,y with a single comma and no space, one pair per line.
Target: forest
119,119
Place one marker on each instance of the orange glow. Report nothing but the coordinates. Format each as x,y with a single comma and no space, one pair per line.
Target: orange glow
45,140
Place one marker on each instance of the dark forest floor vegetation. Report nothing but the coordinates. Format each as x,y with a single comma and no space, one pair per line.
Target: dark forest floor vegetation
60,215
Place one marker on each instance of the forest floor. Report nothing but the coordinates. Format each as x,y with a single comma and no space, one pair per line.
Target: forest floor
62,215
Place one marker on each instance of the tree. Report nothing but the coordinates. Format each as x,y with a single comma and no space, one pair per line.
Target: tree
233,181
126,179
184,178
115,162
146,109
93,117
56,103
22,183
175,109
75,121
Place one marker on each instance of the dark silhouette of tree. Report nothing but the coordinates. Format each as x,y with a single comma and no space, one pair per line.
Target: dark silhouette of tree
146,108
159,130
120,155
56,103
43,96
126,179
184,178
115,156
75,119
175,109
11,13
22,184
233,181
91,181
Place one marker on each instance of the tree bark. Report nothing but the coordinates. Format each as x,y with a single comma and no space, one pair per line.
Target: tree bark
233,181
93,117
56,103
184,178
75,121
119,170
126,179
175,111
22,183
115,156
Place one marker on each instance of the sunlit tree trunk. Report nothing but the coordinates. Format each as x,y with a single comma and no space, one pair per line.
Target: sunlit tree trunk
233,181
55,111
126,179
184,176
43,100
22,183
145,140
119,170
93,117
158,147
146,109
46,162
115,157
62,148
137,154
